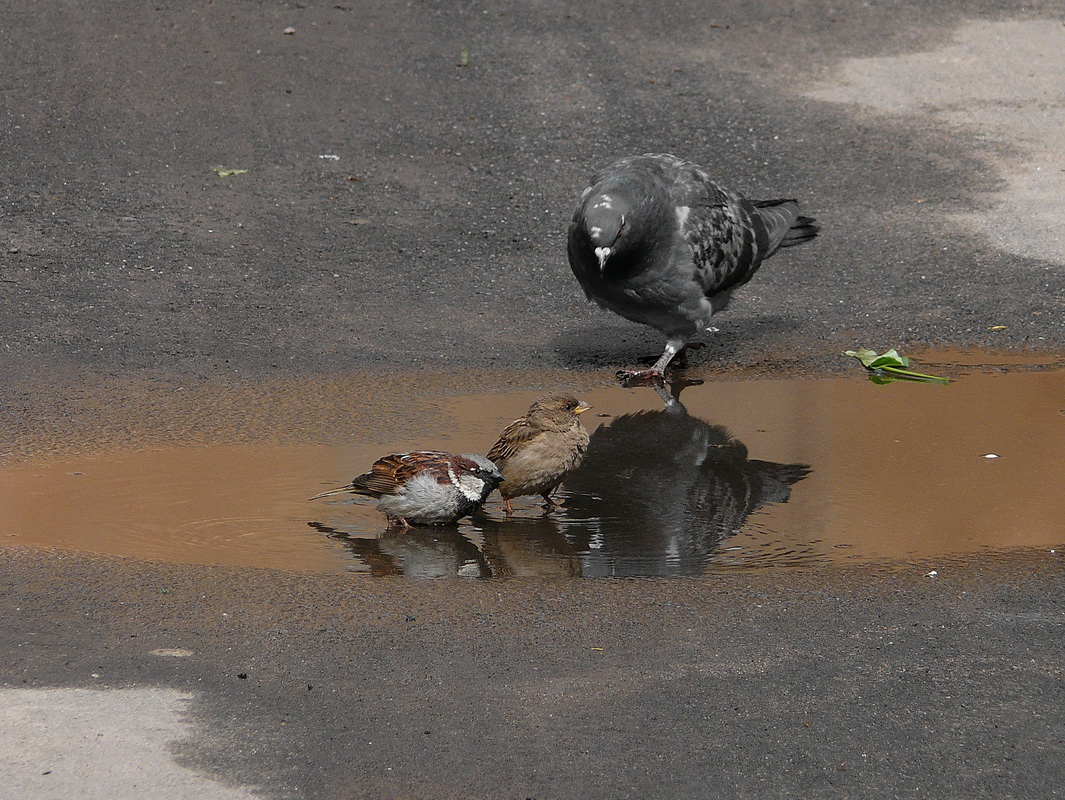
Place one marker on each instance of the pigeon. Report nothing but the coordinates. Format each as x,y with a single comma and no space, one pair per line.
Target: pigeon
655,240
534,453
425,487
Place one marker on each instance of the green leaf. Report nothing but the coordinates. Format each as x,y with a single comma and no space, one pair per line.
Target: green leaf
890,358
890,366
866,356
464,57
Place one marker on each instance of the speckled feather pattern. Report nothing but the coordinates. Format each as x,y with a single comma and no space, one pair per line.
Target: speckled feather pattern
684,243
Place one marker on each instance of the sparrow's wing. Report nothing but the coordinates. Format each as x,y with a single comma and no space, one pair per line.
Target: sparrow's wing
513,437
389,474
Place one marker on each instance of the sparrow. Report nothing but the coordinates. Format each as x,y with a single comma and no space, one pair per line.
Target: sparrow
425,487
535,452
655,240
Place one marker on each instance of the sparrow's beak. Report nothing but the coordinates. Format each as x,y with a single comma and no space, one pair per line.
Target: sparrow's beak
602,253
581,408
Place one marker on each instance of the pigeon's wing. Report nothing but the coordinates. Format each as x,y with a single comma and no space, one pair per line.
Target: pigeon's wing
513,437
727,238
389,474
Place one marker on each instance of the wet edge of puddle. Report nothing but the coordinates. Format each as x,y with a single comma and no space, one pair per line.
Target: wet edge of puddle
59,415
353,417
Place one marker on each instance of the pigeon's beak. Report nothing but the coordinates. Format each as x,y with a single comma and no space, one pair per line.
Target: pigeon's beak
602,253
581,408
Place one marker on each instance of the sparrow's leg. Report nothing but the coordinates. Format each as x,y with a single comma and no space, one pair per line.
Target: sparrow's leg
656,375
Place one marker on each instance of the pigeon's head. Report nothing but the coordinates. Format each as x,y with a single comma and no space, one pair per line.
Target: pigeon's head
604,224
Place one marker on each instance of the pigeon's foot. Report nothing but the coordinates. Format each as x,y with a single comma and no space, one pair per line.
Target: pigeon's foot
640,377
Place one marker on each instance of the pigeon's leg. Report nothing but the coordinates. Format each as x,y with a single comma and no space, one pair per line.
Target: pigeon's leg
507,506
657,373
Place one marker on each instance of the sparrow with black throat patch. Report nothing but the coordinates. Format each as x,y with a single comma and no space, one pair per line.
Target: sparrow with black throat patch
425,487
534,453
655,240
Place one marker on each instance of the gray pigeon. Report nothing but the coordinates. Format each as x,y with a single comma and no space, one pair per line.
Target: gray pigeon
655,240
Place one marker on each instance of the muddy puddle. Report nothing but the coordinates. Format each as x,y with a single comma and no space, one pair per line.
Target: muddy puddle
735,474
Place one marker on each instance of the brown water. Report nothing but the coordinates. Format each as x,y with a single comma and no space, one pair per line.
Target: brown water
741,474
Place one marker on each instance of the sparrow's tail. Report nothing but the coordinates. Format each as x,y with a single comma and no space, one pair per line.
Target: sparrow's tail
785,225
331,492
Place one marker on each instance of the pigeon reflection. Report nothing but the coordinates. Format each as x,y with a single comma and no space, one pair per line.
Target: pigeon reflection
438,552
659,490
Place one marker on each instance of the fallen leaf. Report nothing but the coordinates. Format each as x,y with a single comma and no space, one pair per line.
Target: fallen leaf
464,58
225,173
890,366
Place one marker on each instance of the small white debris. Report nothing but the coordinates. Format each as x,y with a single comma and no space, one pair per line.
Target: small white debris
289,31
990,455
931,574
173,652
330,157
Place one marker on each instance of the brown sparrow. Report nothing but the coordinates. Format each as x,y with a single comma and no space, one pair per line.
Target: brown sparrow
425,487
535,452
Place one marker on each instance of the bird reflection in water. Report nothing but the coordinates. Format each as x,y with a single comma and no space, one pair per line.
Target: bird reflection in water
658,491
438,552
656,495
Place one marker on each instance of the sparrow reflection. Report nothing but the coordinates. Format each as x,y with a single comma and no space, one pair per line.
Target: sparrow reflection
659,490
439,552
535,546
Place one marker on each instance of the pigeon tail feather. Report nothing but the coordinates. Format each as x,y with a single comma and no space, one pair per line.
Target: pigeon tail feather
786,227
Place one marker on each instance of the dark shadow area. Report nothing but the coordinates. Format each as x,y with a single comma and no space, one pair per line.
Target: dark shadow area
614,342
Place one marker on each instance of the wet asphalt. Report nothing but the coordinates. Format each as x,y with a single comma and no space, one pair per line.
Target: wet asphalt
402,215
